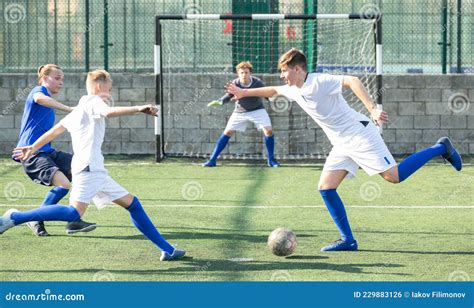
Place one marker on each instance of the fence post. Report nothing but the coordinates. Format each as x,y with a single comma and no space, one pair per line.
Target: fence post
106,35
311,48
459,38
86,32
444,43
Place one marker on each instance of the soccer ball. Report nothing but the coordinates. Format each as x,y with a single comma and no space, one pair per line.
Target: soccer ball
282,242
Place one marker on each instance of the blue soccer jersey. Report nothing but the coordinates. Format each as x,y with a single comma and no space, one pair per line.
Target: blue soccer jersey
36,121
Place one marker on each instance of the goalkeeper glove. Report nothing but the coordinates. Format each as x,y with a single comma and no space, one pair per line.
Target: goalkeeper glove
215,104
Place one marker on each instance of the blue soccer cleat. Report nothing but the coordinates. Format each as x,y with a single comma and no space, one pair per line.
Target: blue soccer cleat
341,245
273,163
451,155
177,254
209,163
6,222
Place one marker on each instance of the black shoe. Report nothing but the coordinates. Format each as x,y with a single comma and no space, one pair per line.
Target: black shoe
38,228
79,226
451,155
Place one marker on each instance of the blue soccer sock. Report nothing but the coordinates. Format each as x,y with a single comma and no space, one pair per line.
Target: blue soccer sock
143,223
54,212
220,145
270,143
409,165
338,212
54,196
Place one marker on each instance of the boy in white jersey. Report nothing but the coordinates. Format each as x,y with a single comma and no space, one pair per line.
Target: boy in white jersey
355,139
86,124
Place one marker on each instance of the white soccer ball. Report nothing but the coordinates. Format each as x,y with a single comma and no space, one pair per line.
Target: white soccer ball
282,242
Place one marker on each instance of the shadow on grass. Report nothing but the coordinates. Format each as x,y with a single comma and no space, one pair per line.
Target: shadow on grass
194,268
324,231
420,252
186,235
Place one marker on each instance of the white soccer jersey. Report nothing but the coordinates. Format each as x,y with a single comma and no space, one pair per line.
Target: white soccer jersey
87,128
321,97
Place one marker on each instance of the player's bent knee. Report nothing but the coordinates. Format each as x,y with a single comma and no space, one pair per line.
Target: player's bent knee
326,187
393,180
268,131
229,133
391,175
125,201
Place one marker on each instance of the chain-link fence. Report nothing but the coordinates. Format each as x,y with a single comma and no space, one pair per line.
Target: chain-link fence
419,36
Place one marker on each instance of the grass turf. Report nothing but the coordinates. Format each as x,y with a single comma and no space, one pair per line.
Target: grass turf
217,216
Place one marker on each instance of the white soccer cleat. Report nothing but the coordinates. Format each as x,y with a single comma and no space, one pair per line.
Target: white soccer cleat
6,222
177,254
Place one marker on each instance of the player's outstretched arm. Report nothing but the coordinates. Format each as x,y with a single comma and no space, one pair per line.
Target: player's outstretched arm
50,102
23,153
238,93
122,111
360,91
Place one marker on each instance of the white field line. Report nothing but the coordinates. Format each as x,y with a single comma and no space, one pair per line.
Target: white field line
281,206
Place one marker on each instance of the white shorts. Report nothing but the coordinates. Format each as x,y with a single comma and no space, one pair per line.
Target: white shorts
366,149
238,121
95,186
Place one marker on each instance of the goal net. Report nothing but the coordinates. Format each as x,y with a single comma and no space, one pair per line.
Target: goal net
197,56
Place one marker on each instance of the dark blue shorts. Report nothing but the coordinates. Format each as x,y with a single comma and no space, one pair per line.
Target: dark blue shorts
42,166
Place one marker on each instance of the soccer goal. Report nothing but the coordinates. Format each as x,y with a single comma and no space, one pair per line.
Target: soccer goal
195,56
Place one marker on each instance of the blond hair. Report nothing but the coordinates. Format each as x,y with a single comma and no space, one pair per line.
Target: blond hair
291,58
95,77
244,65
45,70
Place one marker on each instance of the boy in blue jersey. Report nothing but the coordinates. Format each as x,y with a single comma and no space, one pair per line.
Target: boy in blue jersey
86,124
47,166
249,109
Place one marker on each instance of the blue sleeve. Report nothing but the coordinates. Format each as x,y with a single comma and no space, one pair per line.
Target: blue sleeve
226,98
41,89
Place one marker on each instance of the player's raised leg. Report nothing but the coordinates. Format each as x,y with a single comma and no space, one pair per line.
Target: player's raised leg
220,145
56,212
328,184
143,223
269,140
412,163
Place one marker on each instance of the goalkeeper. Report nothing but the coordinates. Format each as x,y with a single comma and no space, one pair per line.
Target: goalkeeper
248,109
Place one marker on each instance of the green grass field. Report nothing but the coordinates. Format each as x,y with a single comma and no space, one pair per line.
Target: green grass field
420,230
